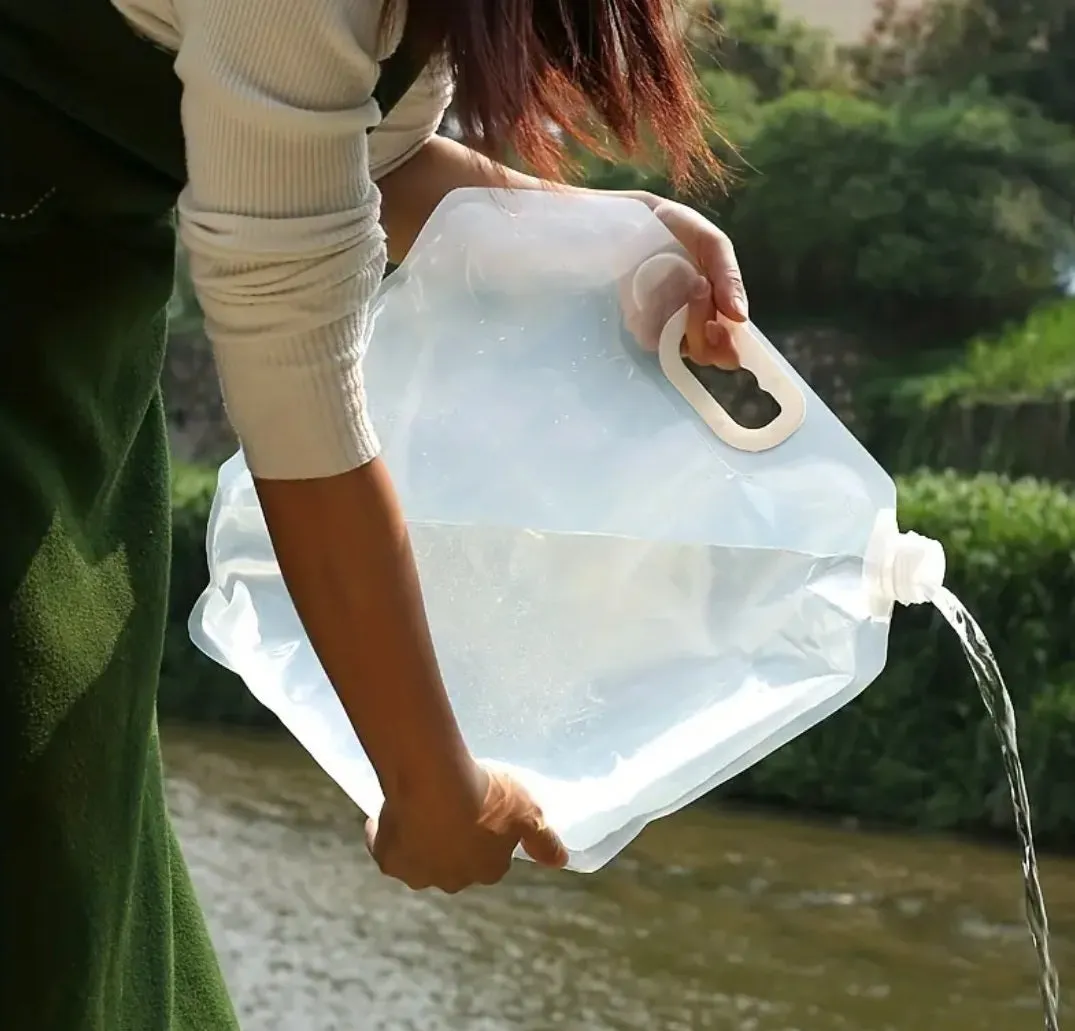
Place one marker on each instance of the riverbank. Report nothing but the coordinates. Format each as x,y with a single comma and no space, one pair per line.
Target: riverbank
710,920
916,750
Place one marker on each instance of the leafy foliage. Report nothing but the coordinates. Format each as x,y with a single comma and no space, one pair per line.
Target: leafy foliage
754,40
1034,358
1014,48
956,213
916,748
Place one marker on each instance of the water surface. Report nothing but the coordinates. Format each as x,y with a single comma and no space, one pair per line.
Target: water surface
712,920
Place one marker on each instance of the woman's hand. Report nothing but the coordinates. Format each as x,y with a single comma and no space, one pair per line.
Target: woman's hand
453,843
715,290
343,548
411,192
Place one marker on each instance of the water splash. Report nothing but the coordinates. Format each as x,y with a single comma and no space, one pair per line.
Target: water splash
998,704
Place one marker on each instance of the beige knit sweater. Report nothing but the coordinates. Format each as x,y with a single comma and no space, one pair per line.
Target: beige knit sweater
280,214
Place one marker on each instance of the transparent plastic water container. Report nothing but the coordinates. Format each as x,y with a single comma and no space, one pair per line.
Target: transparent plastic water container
633,598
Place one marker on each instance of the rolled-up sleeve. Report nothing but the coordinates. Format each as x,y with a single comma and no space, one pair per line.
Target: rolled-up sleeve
281,220
412,122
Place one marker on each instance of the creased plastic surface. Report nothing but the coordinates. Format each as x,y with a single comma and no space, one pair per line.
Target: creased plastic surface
627,611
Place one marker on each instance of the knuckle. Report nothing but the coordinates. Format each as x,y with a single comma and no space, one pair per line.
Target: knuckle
415,881
717,245
495,874
391,865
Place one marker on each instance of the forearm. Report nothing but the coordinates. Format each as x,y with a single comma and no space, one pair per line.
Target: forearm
411,192
343,548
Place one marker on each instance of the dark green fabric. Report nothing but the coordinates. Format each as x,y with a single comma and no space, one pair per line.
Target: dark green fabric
99,927
81,57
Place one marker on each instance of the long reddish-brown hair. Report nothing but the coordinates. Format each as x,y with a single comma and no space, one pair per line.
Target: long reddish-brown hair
527,71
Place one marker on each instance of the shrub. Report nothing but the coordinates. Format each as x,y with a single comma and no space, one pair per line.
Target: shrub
1004,403
1019,50
1033,359
950,215
756,40
915,748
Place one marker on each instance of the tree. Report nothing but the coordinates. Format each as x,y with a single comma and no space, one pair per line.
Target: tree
756,41
1015,48
955,214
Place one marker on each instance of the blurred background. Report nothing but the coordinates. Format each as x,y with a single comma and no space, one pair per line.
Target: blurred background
901,195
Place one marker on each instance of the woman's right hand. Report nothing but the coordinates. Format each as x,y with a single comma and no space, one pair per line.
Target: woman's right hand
452,840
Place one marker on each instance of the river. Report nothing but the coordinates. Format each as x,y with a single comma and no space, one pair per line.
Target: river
713,919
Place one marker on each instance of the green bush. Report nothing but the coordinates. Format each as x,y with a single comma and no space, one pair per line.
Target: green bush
1003,403
938,219
756,40
915,748
1018,50
1034,359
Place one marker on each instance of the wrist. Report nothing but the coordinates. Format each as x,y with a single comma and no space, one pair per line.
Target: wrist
434,779
356,589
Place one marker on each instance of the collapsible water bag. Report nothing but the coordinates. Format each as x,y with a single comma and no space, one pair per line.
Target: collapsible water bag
633,597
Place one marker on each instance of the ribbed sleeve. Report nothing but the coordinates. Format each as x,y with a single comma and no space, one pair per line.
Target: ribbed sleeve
281,214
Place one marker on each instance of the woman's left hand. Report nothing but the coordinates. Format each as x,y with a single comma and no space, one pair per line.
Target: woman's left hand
715,290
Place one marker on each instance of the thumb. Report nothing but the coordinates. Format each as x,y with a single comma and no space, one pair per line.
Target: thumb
542,844
371,837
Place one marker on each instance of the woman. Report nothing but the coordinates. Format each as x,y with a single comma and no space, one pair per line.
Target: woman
265,124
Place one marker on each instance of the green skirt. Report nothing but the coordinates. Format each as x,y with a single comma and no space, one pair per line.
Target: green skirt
99,926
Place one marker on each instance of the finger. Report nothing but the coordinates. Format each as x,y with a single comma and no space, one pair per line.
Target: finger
371,837
377,845
646,316
417,883
721,265
495,872
450,886
543,845
720,347
700,310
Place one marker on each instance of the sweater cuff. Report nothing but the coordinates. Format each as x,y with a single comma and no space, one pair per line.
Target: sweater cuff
298,404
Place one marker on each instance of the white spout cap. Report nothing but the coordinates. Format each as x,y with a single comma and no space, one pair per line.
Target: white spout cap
902,567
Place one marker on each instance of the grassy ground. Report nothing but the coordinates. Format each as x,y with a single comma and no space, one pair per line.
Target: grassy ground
1035,359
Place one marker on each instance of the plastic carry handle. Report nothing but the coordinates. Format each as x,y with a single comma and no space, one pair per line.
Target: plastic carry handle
755,354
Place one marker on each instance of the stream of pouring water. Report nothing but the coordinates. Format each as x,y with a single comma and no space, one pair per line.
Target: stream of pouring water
998,703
